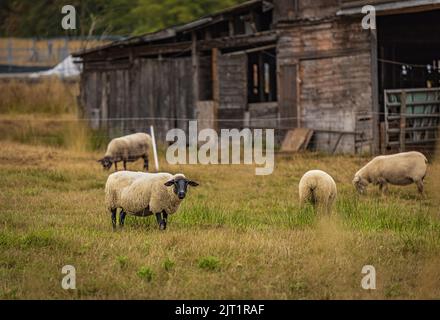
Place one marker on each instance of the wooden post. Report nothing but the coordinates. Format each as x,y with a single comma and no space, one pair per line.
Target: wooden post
375,91
215,86
231,27
402,120
195,66
382,138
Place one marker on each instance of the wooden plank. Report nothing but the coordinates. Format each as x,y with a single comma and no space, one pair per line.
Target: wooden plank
232,89
402,121
230,118
206,118
382,138
375,91
195,67
296,140
288,95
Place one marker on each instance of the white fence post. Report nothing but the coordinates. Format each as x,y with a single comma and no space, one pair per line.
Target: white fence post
156,161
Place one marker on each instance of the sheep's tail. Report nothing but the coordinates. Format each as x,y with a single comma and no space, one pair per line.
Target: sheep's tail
312,194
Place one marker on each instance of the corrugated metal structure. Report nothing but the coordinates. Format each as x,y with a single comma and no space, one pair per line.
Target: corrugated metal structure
279,64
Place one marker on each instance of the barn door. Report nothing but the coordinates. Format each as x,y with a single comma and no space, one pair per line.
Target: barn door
232,73
288,96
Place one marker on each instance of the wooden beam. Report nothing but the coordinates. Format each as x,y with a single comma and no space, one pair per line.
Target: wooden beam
402,121
145,50
231,27
195,67
238,41
215,85
375,91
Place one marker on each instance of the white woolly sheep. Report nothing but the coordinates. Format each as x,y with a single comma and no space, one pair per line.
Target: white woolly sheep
318,188
398,169
144,194
127,149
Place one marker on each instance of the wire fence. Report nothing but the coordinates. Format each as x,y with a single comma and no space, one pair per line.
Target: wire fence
329,137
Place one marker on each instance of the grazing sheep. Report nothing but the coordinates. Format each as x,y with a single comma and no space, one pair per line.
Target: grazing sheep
398,169
144,194
319,188
127,149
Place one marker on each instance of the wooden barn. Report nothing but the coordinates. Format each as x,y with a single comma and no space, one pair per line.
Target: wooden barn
281,64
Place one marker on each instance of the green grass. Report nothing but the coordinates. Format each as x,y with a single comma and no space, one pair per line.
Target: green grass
236,236
146,274
209,263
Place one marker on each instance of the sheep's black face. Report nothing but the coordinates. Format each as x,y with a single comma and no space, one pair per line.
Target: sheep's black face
181,186
106,163
360,185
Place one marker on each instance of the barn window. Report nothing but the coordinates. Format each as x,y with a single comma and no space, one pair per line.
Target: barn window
262,76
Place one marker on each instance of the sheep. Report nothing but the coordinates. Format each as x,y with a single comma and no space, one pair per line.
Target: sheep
318,188
398,169
144,194
127,149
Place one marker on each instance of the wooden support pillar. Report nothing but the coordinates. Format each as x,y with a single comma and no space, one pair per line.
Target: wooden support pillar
382,138
402,121
261,77
231,27
195,67
215,85
375,92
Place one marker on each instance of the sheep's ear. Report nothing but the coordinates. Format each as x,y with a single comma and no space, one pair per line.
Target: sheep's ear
193,183
169,183
100,161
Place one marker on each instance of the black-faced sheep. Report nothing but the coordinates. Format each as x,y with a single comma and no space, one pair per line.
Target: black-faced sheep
318,188
144,194
127,149
398,169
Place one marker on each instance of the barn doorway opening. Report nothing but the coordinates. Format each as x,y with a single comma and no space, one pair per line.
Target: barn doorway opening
409,50
262,76
409,80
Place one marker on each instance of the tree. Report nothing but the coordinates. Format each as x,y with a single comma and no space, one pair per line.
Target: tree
26,18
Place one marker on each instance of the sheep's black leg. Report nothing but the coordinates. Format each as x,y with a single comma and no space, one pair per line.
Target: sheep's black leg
114,218
162,221
159,220
165,220
125,165
116,166
122,215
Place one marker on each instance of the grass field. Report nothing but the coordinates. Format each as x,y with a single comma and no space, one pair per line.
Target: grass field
236,236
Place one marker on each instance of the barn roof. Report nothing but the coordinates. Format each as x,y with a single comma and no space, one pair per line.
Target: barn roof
171,32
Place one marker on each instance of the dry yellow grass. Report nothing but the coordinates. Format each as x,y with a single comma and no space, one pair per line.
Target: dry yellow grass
237,236
51,96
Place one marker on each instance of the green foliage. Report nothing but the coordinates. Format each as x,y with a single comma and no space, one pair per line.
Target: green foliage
168,264
209,263
146,273
116,17
158,14
123,262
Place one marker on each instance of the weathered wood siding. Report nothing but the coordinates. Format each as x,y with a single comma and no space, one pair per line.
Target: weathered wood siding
334,77
150,92
233,90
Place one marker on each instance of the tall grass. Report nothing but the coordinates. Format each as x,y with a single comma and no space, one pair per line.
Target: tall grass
49,96
45,112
